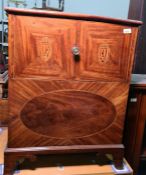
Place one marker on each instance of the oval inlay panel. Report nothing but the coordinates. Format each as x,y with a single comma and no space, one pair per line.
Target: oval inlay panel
68,114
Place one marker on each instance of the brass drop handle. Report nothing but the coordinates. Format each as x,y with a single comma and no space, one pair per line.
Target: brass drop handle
76,50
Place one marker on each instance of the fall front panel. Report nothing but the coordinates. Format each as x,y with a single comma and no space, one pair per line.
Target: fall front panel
48,113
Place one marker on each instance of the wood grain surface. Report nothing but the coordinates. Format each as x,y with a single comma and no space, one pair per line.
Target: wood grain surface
87,112
68,114
134,139
57,99
44,70
106,51
45,13
3,111
48,53
69,79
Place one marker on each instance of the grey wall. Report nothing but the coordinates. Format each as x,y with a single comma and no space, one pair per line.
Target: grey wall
111,8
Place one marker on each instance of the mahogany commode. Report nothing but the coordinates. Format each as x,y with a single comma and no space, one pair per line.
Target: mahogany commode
68,83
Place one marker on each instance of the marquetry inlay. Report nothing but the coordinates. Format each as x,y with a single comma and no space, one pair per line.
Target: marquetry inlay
68,114
45,48
103,53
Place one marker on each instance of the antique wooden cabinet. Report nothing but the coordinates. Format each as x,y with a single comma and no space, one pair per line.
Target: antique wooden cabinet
135,125
68,83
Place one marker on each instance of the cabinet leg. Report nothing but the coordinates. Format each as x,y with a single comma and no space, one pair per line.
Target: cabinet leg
11,158
9,163
12,155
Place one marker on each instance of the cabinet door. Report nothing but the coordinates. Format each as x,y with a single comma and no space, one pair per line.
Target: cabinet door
41,47
106,51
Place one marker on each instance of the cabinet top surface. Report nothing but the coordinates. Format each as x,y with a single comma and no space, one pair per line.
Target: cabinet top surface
55,14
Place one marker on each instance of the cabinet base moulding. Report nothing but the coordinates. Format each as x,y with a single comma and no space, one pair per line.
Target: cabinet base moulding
13,155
